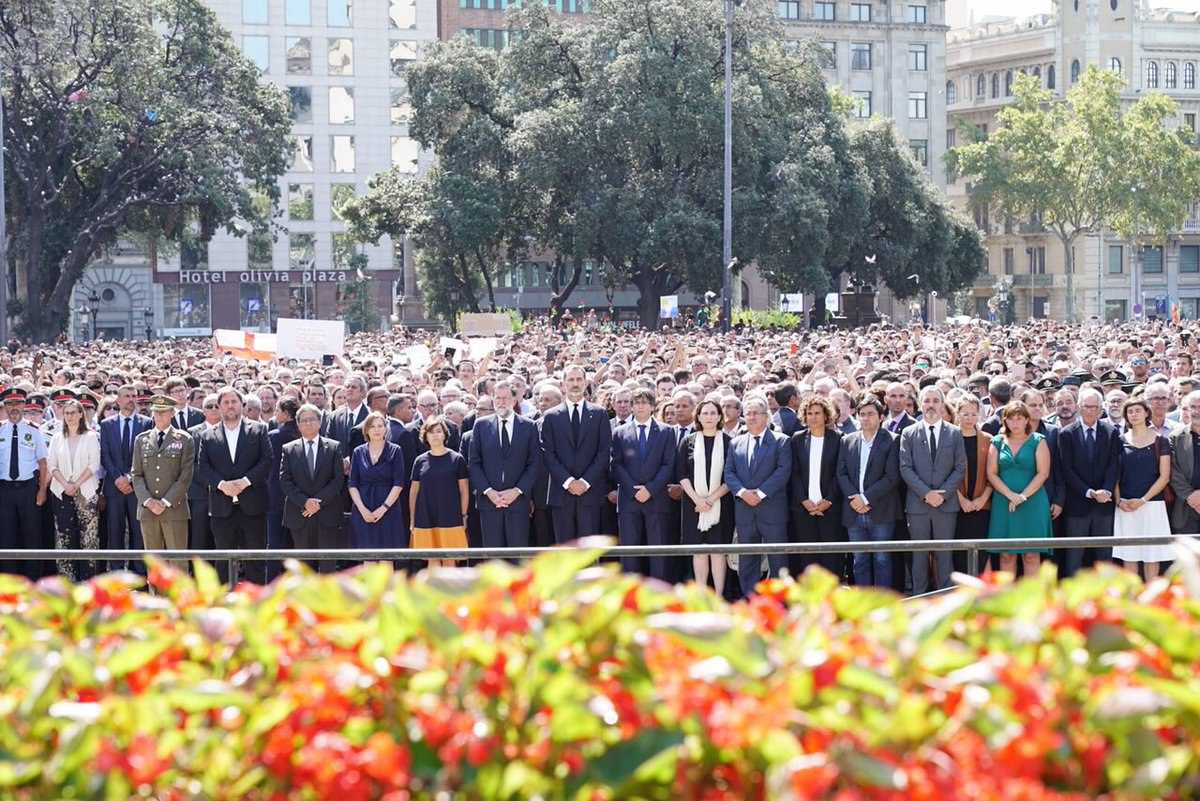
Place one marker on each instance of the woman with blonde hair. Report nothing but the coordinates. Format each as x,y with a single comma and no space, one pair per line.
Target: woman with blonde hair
376,481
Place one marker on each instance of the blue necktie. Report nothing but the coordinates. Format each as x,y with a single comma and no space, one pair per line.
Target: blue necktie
642,441
127,441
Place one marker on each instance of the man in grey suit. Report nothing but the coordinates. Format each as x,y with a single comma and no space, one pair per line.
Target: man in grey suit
1185,478
932,464
757,473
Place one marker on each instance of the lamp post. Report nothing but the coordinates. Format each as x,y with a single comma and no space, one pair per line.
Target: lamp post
148,315
3,235
727,225
93,302
82,313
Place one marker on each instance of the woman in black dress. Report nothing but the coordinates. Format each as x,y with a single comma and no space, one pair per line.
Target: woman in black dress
975,493
816,498
438,495
707,514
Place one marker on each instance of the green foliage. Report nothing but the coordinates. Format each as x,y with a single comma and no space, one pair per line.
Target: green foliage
565,680
761,319
136,115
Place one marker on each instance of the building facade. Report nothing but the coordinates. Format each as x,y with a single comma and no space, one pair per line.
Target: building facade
342,62
1153,50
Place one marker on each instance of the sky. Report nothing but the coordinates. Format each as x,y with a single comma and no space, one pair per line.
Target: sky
1024,8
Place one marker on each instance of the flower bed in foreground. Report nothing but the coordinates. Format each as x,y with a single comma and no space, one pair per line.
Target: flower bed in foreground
566,680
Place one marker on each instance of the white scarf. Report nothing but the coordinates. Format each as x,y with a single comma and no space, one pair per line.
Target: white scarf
700,473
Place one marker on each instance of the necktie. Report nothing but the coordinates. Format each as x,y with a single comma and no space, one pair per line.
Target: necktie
1091,444
161,436
127,440
181,421
932,444
892,426
575,421
754,450
312,457
642,440
14,469
504,440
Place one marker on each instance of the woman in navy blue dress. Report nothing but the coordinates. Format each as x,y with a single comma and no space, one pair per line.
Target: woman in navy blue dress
376,479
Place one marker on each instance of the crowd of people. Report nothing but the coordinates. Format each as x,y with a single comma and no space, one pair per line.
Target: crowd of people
973,431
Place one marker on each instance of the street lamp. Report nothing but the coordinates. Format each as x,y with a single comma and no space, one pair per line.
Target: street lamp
93,303
148,314
727,226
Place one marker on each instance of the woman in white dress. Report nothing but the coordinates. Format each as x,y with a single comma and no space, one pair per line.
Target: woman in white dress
1144,473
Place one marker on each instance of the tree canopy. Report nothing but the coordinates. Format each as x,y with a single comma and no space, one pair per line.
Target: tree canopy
123,116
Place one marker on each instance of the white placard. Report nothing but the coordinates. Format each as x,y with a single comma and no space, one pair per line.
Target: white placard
481,347
419,356
457,347
310,339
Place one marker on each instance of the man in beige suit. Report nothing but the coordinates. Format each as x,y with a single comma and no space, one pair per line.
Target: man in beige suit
162,470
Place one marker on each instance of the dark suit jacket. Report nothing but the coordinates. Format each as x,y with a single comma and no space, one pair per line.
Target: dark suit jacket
278,438
253,460
1183,518
904,422
341,426
541,481
491,468
194,418
786,421
325,484
111,458
586,458
1081,473
654,473
197,490
881,484
769,471
1056,488
453,438
830,448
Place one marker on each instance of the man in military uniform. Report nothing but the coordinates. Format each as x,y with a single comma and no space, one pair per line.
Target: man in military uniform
163,460
23,482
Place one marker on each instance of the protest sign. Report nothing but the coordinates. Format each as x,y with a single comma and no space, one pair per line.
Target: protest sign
668,307
486,325
310,339
244,344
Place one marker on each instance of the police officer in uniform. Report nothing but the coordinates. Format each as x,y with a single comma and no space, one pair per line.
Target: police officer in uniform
163,460
23,482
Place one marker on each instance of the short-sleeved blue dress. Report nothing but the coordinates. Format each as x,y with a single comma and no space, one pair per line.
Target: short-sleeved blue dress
438,519
374,482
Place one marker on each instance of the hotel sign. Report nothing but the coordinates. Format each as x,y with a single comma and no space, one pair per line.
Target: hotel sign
265,277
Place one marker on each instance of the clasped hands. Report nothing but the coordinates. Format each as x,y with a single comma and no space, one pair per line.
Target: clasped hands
502,499
818,508
234,487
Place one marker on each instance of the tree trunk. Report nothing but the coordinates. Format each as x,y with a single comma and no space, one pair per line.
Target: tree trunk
560,297
817,314
487,279
647,298
1068,243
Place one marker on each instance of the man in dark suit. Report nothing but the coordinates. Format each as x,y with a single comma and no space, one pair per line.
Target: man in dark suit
548,397
1090,454
1185,477
503,461
576,439
999,394
933,461
377,401
757,473
895,422
643,463
786,420
235,458
868,473
278,538
200,525
312,481
342,422
185,416
116,457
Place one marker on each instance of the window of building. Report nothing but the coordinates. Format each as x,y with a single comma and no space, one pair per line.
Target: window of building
302,154
1036,72
404,153
981,86
981,219
300,202
341,56
1189,308
1008,82
254,306
917,57
951,93
1189,259
1189,75
862,104
1040,304
255,12
298,12
302,251
341,105
1008,261
1171,73
344,249
340,13
258,50
301,104
402,54
339,196
1075,71
1114,311
341,153
916,14
788,9
1152,259
1114,65
1189,122
860,12
1037,259
193,251
494,38
1116,259
860,55
828,55
1050,76
402,14
917,106
824,10
951,138
1112,4
401,105
995,84
920,151
260,249
299,55
186,306
1151,74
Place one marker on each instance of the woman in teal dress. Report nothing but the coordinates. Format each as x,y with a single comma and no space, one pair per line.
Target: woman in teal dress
1018,466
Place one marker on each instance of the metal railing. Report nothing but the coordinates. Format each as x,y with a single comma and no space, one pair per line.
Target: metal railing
235,557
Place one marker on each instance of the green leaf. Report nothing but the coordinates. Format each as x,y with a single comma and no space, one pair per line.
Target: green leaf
1105,637
855,603
872,772
716,634
207,695
573,723
208,584
14,772
134,654
858,678
557,568
1164,630
619,764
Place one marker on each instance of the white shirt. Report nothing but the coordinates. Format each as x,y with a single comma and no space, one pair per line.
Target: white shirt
864,456
934,430
816,445
231,439
572,410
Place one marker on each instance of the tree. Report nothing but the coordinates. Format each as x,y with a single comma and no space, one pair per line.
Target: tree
1082,164
122,115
